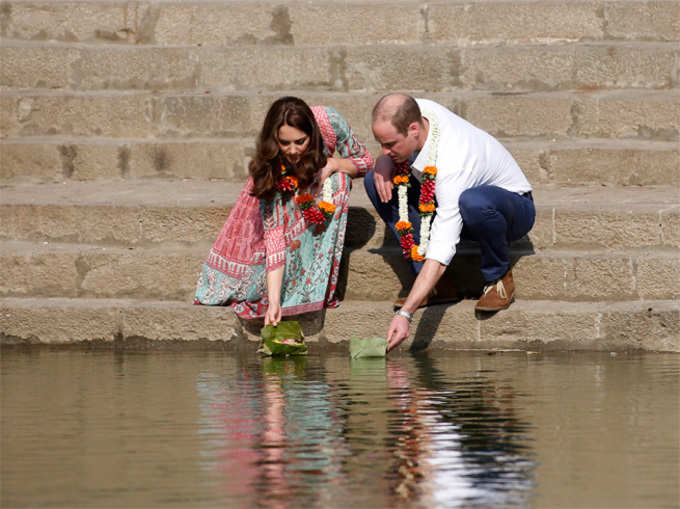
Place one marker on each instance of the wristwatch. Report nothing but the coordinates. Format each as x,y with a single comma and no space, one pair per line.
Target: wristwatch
405,314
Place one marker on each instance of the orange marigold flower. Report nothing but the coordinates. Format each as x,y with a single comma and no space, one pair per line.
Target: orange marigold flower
400,179
303,198
426,207
415,256
327,207
432,170
403,225
294,180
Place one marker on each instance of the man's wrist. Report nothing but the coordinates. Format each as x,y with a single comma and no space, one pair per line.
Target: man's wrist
405,314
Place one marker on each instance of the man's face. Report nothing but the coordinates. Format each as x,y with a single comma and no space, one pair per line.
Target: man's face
393,143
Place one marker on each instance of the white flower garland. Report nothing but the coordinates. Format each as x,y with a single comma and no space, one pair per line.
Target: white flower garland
425,221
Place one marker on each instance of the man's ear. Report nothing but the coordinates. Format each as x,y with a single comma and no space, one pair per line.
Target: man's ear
413,128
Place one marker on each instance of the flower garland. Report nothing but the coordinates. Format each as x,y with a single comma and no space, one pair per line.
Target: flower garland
426,207
314,214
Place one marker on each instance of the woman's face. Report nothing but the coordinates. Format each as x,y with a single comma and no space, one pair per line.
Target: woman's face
292,142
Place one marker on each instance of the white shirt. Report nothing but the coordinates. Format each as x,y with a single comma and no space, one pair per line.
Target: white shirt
465,157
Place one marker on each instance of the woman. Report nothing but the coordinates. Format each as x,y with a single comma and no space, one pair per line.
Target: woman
279,252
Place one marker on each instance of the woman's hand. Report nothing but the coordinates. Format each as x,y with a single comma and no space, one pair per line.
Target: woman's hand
273,314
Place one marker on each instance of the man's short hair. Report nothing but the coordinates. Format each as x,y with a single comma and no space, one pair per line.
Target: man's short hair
399,109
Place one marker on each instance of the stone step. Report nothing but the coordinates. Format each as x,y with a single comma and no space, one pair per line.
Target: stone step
526,325
145,213
170,273
247,23
547,161
379,67
651,115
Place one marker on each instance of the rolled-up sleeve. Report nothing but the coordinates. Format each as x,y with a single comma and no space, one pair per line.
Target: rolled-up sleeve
348,145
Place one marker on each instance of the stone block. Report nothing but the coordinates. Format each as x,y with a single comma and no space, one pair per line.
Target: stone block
266,68
91,161
136,68
670,227
206,115
36,67
39,160
658,277
216,24
380,68
544,115
601,278
541,277
57,321
656,21
656,328
530,159
606,229
538,329
525,22
81,115
357,23
627,165
224,159
140,275
623,66
517,68
542,234
643,115
179,322
71,21
41,274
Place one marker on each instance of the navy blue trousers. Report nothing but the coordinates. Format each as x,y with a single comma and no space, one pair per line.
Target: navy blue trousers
491,216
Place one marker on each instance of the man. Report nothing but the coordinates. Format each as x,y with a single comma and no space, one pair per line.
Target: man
480,193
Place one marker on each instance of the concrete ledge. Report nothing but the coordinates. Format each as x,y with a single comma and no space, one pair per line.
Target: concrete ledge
535,325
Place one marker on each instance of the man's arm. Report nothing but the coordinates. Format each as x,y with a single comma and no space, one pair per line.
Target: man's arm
431,272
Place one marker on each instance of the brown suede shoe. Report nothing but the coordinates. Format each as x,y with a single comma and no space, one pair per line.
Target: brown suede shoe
498,295
441,294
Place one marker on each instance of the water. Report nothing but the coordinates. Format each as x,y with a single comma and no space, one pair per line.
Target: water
207,429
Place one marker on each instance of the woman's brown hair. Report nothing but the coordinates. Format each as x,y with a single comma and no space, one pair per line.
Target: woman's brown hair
265,167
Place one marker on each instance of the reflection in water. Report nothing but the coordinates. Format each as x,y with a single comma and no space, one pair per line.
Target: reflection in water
206,429
291,433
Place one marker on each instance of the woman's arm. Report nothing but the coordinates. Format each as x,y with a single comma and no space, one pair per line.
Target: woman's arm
274,283
352,157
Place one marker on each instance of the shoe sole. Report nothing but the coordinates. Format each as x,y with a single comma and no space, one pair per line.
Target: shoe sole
495,309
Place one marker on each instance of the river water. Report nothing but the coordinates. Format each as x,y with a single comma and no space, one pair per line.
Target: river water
93,428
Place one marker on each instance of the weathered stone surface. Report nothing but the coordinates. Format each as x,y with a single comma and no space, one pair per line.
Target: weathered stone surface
57,321
514,68
658,277
655,327
159,321
168,275
521,115
535,325
657,21
30,160
71,21
84,115
382,69
357,23
135,68
206,115
36,67
670,226
45,273
215,24
606,230
650,116
630,66
516,21
266,68
648,164
224,159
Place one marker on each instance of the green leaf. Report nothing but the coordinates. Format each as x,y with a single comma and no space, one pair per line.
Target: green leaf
274,337
367,347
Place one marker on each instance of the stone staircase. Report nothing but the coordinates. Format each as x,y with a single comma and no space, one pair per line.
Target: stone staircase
127,128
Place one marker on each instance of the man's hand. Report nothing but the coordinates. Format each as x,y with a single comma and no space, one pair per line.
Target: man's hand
382,177
397,332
